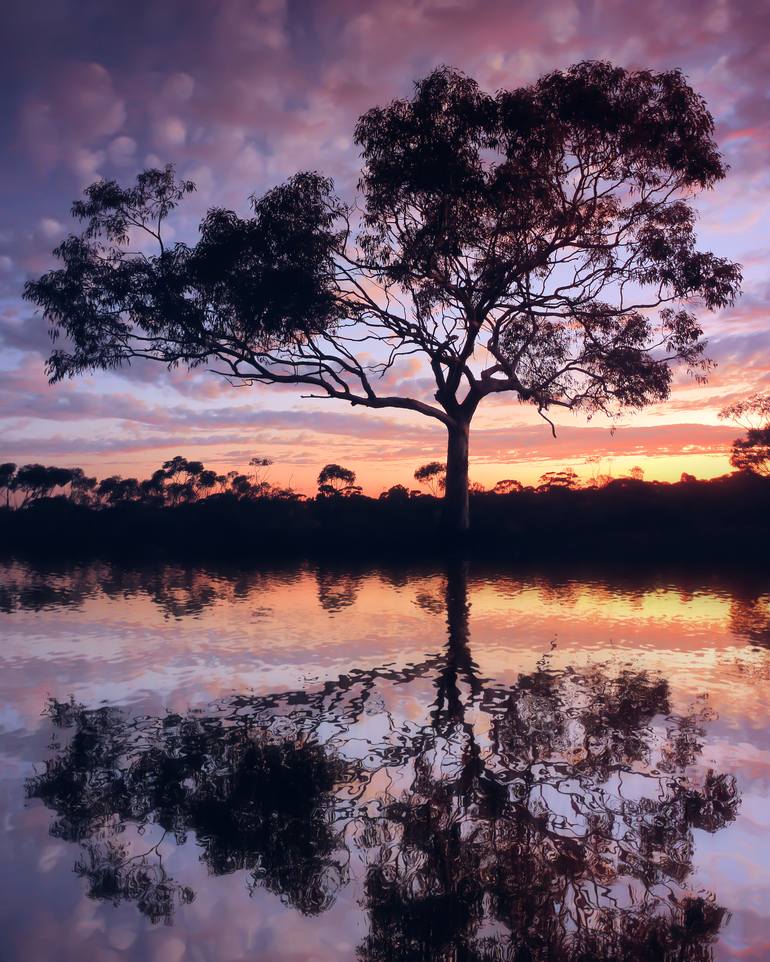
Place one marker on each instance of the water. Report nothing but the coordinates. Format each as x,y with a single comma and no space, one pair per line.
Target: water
338,764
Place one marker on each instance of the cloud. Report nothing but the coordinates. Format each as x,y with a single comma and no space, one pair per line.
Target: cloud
59,124
169,132
26,397
50,229
23,331
121,151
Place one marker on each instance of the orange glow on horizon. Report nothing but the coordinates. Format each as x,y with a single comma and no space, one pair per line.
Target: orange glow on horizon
376,476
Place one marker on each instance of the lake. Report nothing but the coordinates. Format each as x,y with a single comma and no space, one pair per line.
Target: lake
347,763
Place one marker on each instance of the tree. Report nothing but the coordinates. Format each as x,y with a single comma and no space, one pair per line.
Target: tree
81,487
598,478
207,479
396,493
520,243
508,486
117,490
636,473
240,485
752,452
7,473
153,489
566,479
336,481
260,466
433,475
186,479
39,481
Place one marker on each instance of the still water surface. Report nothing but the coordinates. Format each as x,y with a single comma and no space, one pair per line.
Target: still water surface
337,764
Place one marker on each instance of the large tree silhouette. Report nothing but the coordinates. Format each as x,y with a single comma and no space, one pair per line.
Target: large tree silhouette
519,243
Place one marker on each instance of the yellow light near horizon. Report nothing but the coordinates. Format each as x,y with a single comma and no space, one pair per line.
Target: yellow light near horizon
377,475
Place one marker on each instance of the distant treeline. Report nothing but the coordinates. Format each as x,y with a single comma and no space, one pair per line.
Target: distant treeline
186,510
180,481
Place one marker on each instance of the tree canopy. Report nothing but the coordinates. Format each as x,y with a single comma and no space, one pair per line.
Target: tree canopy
334,480
538,241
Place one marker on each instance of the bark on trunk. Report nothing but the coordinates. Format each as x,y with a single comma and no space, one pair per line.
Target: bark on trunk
456,516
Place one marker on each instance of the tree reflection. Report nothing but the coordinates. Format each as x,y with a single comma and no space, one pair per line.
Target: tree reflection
256,801
550,819
115,875
337,589
570,838
750,617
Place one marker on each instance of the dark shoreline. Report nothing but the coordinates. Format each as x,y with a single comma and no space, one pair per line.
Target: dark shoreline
725,522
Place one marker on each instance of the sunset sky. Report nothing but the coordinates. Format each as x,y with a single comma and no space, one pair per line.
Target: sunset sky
240,94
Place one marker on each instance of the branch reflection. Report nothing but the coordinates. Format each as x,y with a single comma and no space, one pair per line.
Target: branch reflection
551,819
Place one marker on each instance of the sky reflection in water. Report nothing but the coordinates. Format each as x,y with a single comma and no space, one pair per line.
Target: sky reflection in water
330,763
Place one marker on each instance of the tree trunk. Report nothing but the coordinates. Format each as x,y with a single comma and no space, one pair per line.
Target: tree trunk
456,494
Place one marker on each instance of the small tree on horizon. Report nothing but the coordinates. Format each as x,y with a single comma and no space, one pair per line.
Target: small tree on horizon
396,492
566,479
260,467
508,486
432,475
7,474
519,243
336,481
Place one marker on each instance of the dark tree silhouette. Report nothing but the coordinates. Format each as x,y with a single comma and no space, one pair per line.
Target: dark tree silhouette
518,242
37,481
566,480
115,489
177,482
260,466
432,474
751,452
334,480
396,493
7,474
508,486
